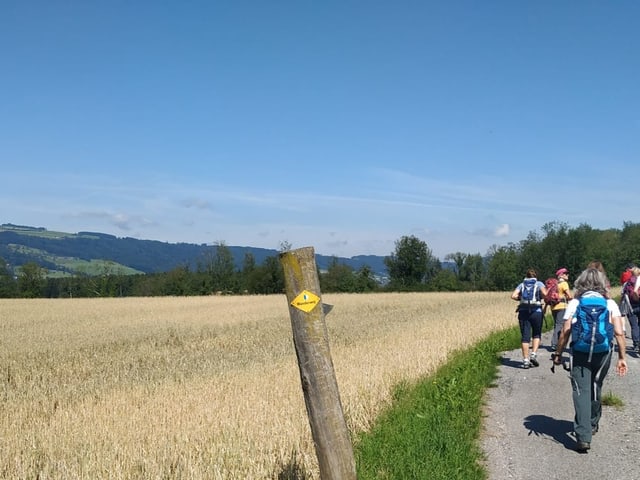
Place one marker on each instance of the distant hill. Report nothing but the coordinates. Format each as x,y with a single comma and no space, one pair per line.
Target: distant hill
94,253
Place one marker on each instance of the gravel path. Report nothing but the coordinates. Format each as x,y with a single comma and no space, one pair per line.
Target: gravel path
528,430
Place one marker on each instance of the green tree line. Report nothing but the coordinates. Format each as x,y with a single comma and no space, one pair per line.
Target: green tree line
410,267
413,267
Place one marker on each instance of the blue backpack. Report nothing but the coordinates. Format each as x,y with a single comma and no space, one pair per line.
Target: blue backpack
530,293
592,332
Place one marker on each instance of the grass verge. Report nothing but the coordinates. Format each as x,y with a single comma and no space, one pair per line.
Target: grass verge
611,400
433,427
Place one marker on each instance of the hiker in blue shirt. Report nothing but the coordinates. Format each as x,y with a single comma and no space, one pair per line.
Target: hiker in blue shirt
529,294
592,320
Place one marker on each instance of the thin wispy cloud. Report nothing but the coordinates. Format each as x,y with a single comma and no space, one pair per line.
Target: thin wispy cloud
333,142
428,216
197,203
121,221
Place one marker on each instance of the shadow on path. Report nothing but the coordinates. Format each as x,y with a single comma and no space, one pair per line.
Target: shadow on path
509,362
517,363
559,430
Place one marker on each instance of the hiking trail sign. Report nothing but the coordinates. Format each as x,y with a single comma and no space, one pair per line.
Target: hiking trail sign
306,301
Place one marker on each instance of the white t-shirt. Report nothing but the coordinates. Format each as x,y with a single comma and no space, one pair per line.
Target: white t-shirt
570,312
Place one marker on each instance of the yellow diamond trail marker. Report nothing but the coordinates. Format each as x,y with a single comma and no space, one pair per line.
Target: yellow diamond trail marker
305,301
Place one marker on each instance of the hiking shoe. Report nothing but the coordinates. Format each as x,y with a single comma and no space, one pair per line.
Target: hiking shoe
594,430
526,363
583,447
533,358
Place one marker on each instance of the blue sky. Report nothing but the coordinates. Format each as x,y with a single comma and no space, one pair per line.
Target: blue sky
338,125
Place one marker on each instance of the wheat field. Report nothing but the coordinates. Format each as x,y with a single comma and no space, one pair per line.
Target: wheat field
205,387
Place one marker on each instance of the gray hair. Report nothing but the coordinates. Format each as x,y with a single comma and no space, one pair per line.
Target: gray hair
591,280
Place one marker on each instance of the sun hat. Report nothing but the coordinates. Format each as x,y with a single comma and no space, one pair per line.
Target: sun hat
561,271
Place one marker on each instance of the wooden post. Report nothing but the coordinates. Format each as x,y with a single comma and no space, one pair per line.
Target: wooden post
322,399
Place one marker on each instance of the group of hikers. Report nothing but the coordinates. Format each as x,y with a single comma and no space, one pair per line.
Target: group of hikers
587,320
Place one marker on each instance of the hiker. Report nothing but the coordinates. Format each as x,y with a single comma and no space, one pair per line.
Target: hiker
626,275
557,310
630,305
591,312
625,306
529,294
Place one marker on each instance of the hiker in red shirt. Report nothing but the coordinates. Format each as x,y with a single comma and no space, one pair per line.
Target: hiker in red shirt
630,304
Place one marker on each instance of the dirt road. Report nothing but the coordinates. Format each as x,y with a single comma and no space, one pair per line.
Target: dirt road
529,424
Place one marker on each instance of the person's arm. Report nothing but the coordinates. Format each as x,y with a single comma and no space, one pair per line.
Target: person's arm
565,333
543,289
516,293
621,366
567,292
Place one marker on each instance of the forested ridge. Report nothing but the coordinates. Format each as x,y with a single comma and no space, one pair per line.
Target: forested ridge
21,244
225,270
146,256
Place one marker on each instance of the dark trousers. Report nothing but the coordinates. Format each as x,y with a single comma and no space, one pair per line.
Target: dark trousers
530,321
558,322
635,329
586,382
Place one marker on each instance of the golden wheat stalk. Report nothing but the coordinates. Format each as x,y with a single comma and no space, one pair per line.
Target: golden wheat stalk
205,387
